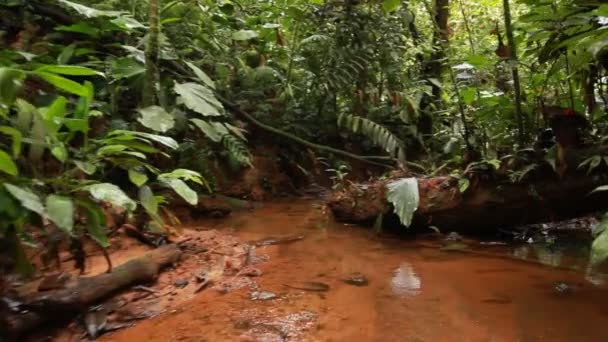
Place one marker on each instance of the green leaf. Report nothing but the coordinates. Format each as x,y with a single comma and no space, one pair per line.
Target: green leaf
201,75
17,139
137,177
207,129
81,27
127,23
184,174
27,198
111,193
198,98
599,247
71,70
7,165
167,141
147,200
111,149
182,189
468,95
600,188
463,184
391,5
126,67
60,152
86,167
11,81
54,114
63,83
88,11
244,35
404,196
96,222
67,53
156,118
77,125
60,210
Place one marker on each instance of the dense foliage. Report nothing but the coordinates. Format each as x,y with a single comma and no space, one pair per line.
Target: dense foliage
111,101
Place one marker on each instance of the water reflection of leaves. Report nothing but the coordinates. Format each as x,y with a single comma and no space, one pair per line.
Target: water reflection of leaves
405,281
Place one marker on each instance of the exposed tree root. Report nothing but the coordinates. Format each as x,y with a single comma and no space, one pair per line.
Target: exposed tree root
77,297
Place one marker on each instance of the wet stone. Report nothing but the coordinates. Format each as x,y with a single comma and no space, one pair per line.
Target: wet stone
356,279
263,295
181,283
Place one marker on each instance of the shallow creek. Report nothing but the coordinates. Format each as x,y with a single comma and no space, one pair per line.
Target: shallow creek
415,292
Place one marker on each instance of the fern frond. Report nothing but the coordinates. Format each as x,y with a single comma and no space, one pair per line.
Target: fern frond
379,134
237,149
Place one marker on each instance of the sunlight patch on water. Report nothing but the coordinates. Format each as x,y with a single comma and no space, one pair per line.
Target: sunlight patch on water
405,281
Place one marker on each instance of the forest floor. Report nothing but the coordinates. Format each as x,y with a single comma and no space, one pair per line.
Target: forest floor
287,272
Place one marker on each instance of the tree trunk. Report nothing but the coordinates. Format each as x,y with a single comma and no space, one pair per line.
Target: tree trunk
64,303
519,115
152,78
433,68
483,208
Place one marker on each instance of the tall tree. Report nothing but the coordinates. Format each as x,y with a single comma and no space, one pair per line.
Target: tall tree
521,135
433,67
152,80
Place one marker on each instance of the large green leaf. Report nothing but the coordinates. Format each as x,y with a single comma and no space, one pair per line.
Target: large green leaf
60,210
7,165
63,83
71,70
182,189
88,11
404,196
148,201
198,98
156,118
126,67
137,177
167,141
184,174
111,193
201,75
208,129
27,198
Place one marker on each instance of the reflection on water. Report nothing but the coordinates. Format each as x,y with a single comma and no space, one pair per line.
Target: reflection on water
405,281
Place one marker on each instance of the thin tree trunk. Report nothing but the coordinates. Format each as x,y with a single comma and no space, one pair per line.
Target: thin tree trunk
434,67
152,80
521,134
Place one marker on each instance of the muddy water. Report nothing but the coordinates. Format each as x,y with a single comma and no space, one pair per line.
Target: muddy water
415,293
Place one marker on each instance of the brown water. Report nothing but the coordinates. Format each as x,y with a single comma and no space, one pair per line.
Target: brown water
414,294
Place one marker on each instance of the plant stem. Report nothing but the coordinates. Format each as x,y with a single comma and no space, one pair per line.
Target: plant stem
521,135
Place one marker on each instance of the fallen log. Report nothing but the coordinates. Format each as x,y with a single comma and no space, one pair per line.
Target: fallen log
78,296
484,207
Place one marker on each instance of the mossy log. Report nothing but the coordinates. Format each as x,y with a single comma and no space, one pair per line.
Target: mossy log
484,207
77,297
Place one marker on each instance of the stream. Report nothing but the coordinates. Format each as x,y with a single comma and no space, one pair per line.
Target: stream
410,292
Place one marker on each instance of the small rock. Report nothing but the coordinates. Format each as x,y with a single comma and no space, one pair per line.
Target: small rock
453,236
181,283
263,295
356,279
